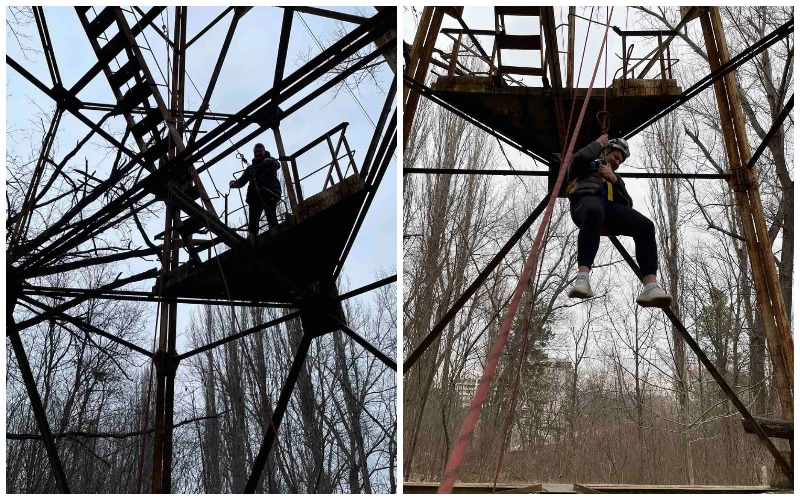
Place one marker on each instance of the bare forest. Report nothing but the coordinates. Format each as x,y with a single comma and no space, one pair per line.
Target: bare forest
337,436
603,391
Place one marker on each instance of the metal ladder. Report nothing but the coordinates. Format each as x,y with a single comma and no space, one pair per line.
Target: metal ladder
137,95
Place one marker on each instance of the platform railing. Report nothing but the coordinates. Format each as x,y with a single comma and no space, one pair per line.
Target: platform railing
341,164
660,54
336,170
463,47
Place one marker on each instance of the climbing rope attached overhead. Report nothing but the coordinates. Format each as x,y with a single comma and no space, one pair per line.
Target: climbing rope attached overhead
481,393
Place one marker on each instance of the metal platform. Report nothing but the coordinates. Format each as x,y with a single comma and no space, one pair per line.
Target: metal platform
305,250
527,115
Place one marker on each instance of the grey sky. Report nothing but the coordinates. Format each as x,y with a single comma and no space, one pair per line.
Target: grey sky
247,73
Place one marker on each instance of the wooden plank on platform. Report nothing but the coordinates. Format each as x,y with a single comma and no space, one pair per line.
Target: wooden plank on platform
557,488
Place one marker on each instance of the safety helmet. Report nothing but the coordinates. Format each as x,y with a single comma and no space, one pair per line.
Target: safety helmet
622,145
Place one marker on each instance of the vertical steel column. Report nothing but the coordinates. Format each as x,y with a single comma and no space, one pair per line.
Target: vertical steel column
277,83
178,81
571,50
158,420
165,361
745,187
421,53
547,19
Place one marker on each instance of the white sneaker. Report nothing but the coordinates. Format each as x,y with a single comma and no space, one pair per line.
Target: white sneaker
654,297
581,288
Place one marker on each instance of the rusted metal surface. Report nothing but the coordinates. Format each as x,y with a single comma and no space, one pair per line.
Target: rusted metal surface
764,242
745,187
772,427
421,53
526,114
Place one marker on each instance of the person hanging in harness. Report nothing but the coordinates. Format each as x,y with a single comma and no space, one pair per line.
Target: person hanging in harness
264,191
598,200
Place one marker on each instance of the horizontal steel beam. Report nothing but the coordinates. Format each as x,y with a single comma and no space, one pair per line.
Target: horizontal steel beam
239,335
544,173
332,14
367,288
136,296
86,326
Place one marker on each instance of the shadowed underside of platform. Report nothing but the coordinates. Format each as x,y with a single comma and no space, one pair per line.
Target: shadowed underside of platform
305,253
527,114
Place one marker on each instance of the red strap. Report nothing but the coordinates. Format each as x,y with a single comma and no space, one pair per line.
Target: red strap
470,421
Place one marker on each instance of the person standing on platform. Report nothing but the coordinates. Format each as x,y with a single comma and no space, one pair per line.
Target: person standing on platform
264,190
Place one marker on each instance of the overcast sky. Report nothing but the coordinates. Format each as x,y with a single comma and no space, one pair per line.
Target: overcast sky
247,73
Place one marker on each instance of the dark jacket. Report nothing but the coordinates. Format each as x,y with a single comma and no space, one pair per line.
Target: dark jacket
583,169
265,179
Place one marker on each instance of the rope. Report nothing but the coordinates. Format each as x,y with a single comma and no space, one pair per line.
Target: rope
604,117
522,355
523,352
470,421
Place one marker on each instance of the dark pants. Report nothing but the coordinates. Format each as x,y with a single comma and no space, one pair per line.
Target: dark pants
266,202
592,213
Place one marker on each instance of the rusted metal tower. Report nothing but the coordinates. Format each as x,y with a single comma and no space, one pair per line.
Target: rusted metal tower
299,272
535,119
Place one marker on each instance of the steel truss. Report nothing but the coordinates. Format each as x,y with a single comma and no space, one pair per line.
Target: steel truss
741,179
169,144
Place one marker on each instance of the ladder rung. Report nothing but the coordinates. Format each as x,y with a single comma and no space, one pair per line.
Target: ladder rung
517,11
519,42
123,74
147,123
156,151
110,50
102,22
517,70
135,96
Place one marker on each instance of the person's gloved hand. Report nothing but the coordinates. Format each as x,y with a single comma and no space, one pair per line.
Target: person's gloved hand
603,140
606,173
233,184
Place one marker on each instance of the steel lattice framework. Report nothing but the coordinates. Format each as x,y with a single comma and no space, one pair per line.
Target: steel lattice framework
162,165
461,90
